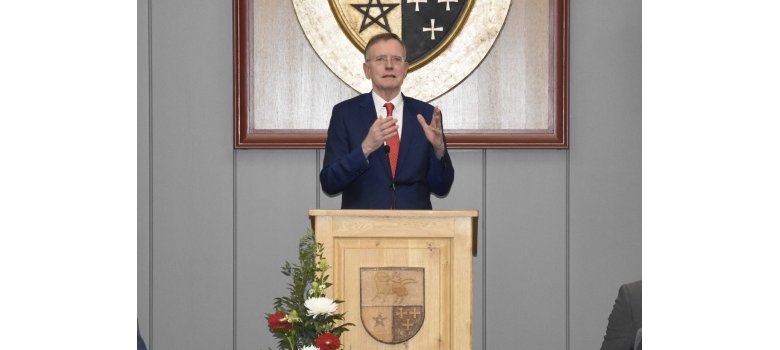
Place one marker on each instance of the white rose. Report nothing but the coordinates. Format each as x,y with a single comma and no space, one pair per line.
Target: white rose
310,347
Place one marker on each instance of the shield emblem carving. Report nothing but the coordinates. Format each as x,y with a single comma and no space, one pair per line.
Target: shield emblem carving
392,302
426,26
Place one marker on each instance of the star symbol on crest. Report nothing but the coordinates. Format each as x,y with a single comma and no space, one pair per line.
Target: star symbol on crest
380,320
365,9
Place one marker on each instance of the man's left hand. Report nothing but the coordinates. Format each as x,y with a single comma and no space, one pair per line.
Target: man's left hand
433,132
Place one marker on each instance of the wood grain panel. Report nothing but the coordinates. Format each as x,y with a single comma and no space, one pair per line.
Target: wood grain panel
351,241
432,255
509,89
298,90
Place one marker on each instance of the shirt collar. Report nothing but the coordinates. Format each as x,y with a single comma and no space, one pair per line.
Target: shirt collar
379,103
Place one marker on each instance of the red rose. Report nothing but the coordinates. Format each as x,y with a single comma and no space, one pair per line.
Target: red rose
327,341
276,324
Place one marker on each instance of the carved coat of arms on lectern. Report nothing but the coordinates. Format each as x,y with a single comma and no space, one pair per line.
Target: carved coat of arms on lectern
392,302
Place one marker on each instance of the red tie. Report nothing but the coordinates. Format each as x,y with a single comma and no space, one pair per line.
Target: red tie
394,142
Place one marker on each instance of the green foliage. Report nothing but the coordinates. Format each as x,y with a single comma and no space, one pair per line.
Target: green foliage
308,280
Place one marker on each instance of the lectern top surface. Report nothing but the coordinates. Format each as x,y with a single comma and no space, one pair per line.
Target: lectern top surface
404,213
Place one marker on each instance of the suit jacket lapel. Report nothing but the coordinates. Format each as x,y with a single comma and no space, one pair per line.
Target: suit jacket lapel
410,135
367,112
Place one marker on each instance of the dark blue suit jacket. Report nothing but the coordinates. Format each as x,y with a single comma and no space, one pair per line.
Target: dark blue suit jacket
367,183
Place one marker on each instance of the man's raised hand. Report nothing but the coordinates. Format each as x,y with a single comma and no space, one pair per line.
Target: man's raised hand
433,132
381,130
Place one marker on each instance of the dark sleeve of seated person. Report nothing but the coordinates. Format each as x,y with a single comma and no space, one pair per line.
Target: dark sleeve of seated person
626,318
141,344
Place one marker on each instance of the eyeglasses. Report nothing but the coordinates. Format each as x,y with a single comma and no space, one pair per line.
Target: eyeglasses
382,59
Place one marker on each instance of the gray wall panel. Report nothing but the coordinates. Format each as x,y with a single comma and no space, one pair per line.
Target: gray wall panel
325,201
193,175
275,191
142,173
605,165
466,193
526,249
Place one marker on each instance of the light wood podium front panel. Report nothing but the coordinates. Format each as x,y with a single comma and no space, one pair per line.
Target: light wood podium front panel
439,242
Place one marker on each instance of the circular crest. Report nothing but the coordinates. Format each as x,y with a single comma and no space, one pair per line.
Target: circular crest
446,39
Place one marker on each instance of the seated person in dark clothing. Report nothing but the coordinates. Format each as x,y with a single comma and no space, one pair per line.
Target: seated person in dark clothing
625,321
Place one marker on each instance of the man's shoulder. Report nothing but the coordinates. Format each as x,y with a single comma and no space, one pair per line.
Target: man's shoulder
417,105
416,102
634,287
350,109
354,101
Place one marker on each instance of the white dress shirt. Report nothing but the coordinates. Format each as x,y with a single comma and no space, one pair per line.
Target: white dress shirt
398,109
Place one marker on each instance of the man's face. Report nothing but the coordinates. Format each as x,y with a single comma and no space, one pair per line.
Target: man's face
387,74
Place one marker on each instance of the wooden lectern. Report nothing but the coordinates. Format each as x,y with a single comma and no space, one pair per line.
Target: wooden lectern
405,275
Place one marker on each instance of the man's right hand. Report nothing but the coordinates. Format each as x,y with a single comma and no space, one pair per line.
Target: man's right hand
381,130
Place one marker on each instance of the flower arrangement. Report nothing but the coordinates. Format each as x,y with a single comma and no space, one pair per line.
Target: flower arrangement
307,319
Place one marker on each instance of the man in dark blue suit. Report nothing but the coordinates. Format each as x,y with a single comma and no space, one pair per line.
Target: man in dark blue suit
386,150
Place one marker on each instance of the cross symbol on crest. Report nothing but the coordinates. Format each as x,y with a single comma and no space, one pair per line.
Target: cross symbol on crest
407,323
448,3
417,4
365,9
433,29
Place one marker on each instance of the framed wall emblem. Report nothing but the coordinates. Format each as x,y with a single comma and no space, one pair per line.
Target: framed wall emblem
498,69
